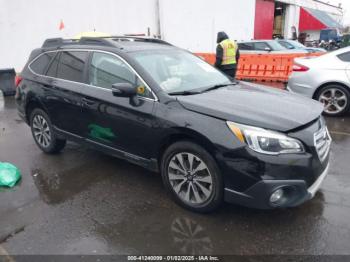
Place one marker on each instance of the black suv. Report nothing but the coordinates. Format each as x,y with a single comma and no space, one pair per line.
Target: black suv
158,106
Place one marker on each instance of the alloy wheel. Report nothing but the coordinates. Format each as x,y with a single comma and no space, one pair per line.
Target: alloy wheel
190,178
41,131
334,100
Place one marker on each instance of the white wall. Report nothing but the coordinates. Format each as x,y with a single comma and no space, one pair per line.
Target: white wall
312,35
291,19
24,24
314,5
193,24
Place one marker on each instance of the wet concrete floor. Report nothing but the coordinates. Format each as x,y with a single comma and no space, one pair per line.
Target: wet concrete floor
85,202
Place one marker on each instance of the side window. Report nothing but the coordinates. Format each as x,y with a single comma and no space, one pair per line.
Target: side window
106,70
245,46
40,64
52,70
261,46
345,57
71,65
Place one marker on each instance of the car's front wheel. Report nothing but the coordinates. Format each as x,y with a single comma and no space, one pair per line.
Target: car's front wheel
335,99
43,134
192,177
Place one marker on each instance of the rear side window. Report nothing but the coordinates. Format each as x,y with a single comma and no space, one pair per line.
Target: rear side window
71,65
245,46
52,70
345,57
40,64
261,46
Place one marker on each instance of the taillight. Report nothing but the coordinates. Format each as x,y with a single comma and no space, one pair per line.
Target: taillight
18,80
299,68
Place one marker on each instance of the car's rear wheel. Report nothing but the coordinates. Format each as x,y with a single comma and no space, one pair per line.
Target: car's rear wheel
335,99
43,134
192,177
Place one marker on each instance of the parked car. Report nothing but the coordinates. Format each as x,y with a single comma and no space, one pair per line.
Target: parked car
295,45
325,78
167,110
266,46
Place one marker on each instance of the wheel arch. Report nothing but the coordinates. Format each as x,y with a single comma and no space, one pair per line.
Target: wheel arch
32,104
327,84
184,134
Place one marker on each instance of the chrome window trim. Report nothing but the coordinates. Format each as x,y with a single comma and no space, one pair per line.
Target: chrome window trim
100,51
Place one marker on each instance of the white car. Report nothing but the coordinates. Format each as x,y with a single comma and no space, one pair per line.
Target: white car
325,78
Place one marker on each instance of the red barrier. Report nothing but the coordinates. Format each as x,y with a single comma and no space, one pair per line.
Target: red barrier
263,67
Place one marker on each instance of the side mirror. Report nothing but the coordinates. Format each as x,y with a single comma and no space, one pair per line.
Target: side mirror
124,90
268,49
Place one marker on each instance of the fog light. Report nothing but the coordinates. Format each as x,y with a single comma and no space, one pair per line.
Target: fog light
276,196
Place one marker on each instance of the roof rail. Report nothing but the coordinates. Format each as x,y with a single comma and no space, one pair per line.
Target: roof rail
138,39
52,42
96,41
111,41
57,42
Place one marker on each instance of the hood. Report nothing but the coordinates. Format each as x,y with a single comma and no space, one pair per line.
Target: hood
221,37
255,105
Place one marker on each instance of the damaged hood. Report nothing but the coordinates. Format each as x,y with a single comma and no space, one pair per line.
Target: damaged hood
255,105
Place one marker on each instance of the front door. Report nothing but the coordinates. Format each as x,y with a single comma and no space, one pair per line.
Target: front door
118,122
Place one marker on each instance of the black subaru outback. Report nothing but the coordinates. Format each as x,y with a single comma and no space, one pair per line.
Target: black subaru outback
158,106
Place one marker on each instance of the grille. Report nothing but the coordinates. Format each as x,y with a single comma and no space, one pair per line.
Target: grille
322,141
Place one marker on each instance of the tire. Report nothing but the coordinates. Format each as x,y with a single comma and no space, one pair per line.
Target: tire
336,99
199,188
43,133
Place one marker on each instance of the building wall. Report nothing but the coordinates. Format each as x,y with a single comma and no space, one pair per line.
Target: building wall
264,19
193,24
312,35
24,25
291,19
315,5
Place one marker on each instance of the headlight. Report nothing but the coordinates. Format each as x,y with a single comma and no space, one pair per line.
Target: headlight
266,141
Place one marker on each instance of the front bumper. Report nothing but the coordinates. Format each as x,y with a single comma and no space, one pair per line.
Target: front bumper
258,196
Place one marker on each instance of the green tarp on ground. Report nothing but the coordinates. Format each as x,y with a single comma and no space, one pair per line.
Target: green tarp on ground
9,175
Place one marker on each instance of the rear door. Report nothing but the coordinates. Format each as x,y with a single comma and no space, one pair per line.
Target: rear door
66,76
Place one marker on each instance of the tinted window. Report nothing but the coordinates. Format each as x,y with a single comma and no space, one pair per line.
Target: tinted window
52,70
345,57
71,65
40,64
245,46
106,70
261,46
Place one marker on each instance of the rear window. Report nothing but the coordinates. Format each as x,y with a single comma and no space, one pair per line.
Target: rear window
71,65
345,57
40,64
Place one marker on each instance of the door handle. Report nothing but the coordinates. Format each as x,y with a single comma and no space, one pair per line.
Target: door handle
88,101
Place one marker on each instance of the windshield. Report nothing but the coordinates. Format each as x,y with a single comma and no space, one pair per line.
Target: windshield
179,71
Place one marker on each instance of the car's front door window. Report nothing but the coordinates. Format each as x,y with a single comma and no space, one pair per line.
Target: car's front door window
106,70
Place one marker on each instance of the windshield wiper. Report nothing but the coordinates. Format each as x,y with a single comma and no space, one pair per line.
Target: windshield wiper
184,93
218,86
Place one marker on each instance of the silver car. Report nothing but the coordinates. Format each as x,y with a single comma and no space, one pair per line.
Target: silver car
266,46
325,78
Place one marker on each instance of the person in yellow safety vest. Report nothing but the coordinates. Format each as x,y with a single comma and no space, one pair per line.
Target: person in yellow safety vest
227,55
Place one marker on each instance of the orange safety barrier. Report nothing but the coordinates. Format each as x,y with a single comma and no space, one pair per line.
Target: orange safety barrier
262,67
